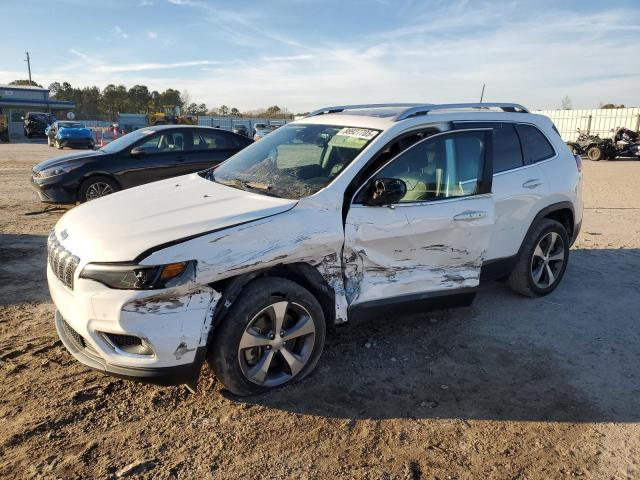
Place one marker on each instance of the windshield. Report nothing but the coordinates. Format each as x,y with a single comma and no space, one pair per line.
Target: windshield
126,140
294,161
40,117
70,125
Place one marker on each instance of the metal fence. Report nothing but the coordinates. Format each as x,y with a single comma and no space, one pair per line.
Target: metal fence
227,123
595,121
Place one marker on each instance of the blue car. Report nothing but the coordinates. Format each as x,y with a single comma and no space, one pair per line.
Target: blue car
69,134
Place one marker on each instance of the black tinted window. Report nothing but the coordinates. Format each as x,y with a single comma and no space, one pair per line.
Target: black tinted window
507,153
203,140
534,144
506,149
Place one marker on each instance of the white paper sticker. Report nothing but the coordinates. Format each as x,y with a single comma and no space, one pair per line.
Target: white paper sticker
363,133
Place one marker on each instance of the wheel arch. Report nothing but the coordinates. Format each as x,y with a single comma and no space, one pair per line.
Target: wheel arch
304,274
562,212
93,173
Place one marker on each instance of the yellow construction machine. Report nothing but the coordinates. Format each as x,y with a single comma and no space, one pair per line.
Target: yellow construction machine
171,116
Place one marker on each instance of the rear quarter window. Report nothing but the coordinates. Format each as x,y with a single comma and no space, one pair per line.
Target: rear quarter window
535,145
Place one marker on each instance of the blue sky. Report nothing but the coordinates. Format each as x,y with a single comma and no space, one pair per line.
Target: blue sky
302,54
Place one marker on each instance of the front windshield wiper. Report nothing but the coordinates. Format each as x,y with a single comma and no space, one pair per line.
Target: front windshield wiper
246,185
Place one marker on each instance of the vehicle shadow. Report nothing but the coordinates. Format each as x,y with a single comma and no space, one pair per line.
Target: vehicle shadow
23,265
571,356
20,139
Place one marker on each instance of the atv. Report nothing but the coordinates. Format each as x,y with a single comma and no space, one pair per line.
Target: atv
594,147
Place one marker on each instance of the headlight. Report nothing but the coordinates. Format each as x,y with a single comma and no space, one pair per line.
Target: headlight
52,172
140,277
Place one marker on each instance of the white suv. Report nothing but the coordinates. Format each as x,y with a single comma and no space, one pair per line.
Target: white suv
351,208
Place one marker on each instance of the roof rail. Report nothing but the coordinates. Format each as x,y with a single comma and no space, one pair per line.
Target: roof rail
342,108
417,110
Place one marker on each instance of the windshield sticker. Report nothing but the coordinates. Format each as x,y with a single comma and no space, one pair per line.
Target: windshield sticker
364,133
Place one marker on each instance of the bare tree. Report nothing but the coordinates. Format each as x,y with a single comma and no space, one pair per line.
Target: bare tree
566,103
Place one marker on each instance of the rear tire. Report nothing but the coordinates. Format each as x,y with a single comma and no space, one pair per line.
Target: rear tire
96,187
595,154
543,260
249,355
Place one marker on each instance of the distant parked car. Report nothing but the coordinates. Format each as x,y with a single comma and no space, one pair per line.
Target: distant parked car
240,130
264,131
139,157
69,134
35,123
258,126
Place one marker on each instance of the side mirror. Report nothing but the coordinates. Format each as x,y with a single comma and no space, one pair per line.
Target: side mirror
386,191
136,151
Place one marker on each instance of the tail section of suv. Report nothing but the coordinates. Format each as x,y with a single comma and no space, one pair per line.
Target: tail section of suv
350,208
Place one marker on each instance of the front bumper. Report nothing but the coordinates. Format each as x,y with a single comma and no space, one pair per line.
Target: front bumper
173,324
86,355
76,142
51,192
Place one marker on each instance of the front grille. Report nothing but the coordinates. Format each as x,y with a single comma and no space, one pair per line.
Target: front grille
62,262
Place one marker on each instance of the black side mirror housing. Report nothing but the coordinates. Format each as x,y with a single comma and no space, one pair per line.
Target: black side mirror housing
136,151
386,191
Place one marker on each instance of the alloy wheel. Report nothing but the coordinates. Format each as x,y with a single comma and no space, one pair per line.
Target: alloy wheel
98,189
277,344
547,260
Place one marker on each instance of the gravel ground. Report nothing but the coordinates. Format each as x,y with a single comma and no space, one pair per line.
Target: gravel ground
507,388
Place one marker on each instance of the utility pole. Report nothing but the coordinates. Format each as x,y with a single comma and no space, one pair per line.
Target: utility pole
28,60
482,94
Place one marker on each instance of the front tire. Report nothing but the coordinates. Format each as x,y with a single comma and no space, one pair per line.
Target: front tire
543,260
272,336
96,187
59,146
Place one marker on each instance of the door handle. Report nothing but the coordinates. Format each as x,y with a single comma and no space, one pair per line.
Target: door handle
470,215
532,183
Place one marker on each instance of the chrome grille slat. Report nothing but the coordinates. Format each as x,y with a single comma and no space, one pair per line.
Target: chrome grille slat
62,262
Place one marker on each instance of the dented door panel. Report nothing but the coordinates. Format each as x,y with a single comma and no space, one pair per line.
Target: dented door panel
415,248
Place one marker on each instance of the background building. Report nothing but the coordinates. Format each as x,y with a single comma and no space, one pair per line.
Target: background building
16,101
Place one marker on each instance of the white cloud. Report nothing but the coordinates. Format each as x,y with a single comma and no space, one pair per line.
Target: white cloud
145,3
141,67
119,32
152,35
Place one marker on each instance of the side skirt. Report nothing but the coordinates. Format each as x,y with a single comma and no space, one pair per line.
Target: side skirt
413,303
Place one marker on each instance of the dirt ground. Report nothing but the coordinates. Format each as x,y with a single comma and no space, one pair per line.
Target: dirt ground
507,388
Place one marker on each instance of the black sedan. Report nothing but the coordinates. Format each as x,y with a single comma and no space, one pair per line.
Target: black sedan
139,157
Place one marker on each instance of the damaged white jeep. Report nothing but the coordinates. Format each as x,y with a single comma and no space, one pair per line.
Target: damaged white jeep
351,208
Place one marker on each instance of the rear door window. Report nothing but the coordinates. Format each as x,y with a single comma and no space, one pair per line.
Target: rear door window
212,141
535,145
164,142
507,153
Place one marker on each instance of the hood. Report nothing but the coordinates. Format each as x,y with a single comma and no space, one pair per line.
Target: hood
121,226
68,158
